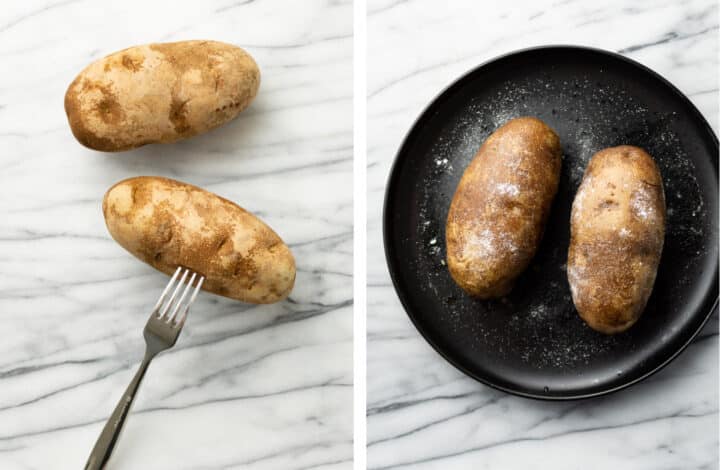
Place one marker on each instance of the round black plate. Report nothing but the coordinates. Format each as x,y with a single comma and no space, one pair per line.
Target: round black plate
532,342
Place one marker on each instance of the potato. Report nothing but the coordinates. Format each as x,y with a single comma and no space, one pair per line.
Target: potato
159,93
500,207
617,229
168,224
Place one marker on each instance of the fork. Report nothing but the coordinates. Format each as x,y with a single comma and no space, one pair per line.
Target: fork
161,332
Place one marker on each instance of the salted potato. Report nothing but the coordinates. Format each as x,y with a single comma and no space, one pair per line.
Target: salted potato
617,229
167,224
159,93
500,207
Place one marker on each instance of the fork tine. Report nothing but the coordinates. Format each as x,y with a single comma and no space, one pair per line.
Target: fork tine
166,290
174,294
181,319
178,304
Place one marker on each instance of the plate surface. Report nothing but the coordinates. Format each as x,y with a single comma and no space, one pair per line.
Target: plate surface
532,342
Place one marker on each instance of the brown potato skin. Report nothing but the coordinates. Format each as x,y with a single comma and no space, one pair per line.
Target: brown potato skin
159,93
500,207
167,224
617,230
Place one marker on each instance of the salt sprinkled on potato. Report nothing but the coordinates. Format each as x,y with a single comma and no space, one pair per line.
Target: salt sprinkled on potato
617,230
500,207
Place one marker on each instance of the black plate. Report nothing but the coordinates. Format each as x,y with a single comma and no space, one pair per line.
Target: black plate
532,343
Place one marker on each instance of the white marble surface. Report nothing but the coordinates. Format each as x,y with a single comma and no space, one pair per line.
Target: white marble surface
252,387
422,412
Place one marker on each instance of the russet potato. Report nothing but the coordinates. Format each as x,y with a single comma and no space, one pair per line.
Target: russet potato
500,207
167,224
159,93
617,230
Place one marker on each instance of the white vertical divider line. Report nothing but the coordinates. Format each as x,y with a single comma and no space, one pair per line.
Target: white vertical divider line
717,84
359,233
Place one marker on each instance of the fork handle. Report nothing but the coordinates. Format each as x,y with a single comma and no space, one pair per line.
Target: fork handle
111,432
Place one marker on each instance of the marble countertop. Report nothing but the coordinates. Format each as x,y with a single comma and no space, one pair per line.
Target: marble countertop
422,412
252,387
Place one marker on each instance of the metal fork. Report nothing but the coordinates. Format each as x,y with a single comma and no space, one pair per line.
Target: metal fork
161,332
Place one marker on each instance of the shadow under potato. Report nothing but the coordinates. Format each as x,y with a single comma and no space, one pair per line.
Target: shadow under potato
221,146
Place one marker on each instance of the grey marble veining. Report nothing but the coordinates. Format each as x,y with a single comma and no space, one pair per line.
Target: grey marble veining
252,387
424,414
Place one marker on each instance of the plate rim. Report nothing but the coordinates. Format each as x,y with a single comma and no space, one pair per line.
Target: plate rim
393,175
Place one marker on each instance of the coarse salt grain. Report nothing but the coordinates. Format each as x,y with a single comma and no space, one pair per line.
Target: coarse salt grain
507,189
